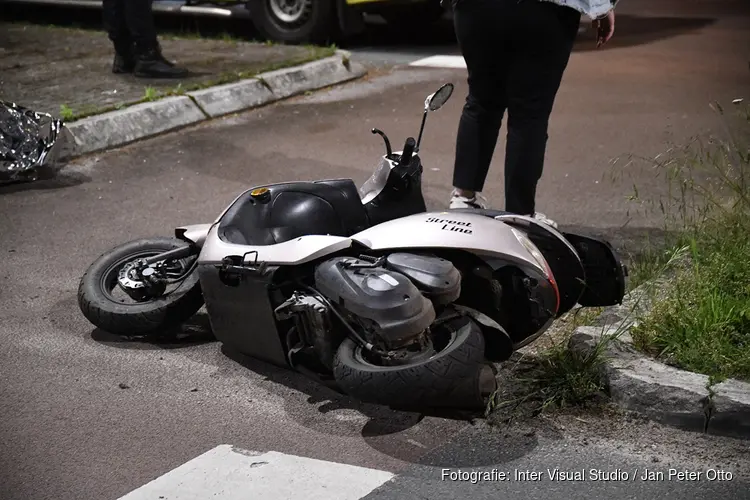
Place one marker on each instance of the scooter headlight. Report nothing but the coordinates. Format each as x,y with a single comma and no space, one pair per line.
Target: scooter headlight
534,251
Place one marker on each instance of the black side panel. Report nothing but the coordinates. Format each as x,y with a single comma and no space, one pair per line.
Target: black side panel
605,274
295,212
242,316
437,278
402,195
294,209
566,268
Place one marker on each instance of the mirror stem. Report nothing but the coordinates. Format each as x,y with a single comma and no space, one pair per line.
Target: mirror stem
421,129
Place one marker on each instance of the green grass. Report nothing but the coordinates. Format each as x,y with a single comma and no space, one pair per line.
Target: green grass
700,321
66,112
557,377
151,94
564,377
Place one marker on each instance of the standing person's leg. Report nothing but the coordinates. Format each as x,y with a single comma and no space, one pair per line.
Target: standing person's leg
544,34
115,24
149,61
479,26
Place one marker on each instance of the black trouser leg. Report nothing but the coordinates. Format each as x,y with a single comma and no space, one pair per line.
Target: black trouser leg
479,31
140,19
516,52
534,76
115,24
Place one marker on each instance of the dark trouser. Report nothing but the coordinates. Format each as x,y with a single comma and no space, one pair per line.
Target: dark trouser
129,22
516,52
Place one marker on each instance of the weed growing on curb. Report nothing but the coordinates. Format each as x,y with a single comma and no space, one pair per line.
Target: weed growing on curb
150,94
556,377
66,113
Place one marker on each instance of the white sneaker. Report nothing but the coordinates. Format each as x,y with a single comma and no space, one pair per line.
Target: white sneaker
477,201
544,219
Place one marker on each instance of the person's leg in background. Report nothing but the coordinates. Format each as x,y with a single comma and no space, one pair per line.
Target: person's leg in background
544,34
479,27
149,61
130,26
115,24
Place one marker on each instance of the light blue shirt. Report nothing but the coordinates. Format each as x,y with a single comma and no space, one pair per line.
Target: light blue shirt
591,8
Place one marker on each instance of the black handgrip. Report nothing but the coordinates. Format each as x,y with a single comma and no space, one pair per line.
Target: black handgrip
408,151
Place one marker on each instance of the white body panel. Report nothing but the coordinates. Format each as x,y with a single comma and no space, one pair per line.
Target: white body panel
463,231
474,233
292,252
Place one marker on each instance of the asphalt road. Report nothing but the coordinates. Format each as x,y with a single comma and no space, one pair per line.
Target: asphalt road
68,430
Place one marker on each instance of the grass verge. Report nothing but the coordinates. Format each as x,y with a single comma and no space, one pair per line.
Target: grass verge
701,320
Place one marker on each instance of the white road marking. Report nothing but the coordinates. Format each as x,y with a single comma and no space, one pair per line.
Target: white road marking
441,62
230,473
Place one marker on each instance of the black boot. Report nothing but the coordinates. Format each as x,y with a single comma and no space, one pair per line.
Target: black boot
150,63
124,61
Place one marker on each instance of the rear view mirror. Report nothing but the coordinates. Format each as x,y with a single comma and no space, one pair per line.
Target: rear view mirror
435,101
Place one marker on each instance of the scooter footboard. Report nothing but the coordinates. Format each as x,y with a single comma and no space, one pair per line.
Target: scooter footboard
605,273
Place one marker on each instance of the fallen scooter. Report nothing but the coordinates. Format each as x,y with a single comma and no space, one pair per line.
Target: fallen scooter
363,288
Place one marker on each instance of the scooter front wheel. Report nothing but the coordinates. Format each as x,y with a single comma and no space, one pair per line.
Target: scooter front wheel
455,376
115,313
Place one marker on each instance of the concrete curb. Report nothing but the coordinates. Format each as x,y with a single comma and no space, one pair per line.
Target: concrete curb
118,128
675,397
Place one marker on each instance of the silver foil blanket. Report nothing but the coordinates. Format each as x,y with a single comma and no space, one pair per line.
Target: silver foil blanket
30,142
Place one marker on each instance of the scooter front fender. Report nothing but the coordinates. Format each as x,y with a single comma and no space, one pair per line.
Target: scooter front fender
195,233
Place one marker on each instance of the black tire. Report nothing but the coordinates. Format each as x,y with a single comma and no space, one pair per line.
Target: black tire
317,24
137,319
416,15
451,378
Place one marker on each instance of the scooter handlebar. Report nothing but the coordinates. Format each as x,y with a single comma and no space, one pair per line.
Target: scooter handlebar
408,151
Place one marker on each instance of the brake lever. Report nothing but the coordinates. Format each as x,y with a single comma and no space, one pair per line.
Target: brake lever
388,150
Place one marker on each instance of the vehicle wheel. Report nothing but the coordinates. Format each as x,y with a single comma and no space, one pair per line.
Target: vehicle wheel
452,377
414,15
294,21
102,306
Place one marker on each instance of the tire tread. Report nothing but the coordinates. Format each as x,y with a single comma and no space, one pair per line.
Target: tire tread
152,317
447,380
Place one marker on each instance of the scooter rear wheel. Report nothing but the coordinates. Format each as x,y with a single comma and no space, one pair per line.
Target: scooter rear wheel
104,310
455,377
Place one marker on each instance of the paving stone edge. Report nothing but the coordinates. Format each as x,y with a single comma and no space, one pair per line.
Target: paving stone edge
676,397
140,121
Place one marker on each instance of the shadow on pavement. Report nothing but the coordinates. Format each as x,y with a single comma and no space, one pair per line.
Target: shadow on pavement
61,180
196,331
404,435
409,436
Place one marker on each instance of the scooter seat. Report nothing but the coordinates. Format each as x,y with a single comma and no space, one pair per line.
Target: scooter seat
294,209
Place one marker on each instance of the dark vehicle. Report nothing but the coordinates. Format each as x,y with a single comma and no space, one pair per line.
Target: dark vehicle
293,21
